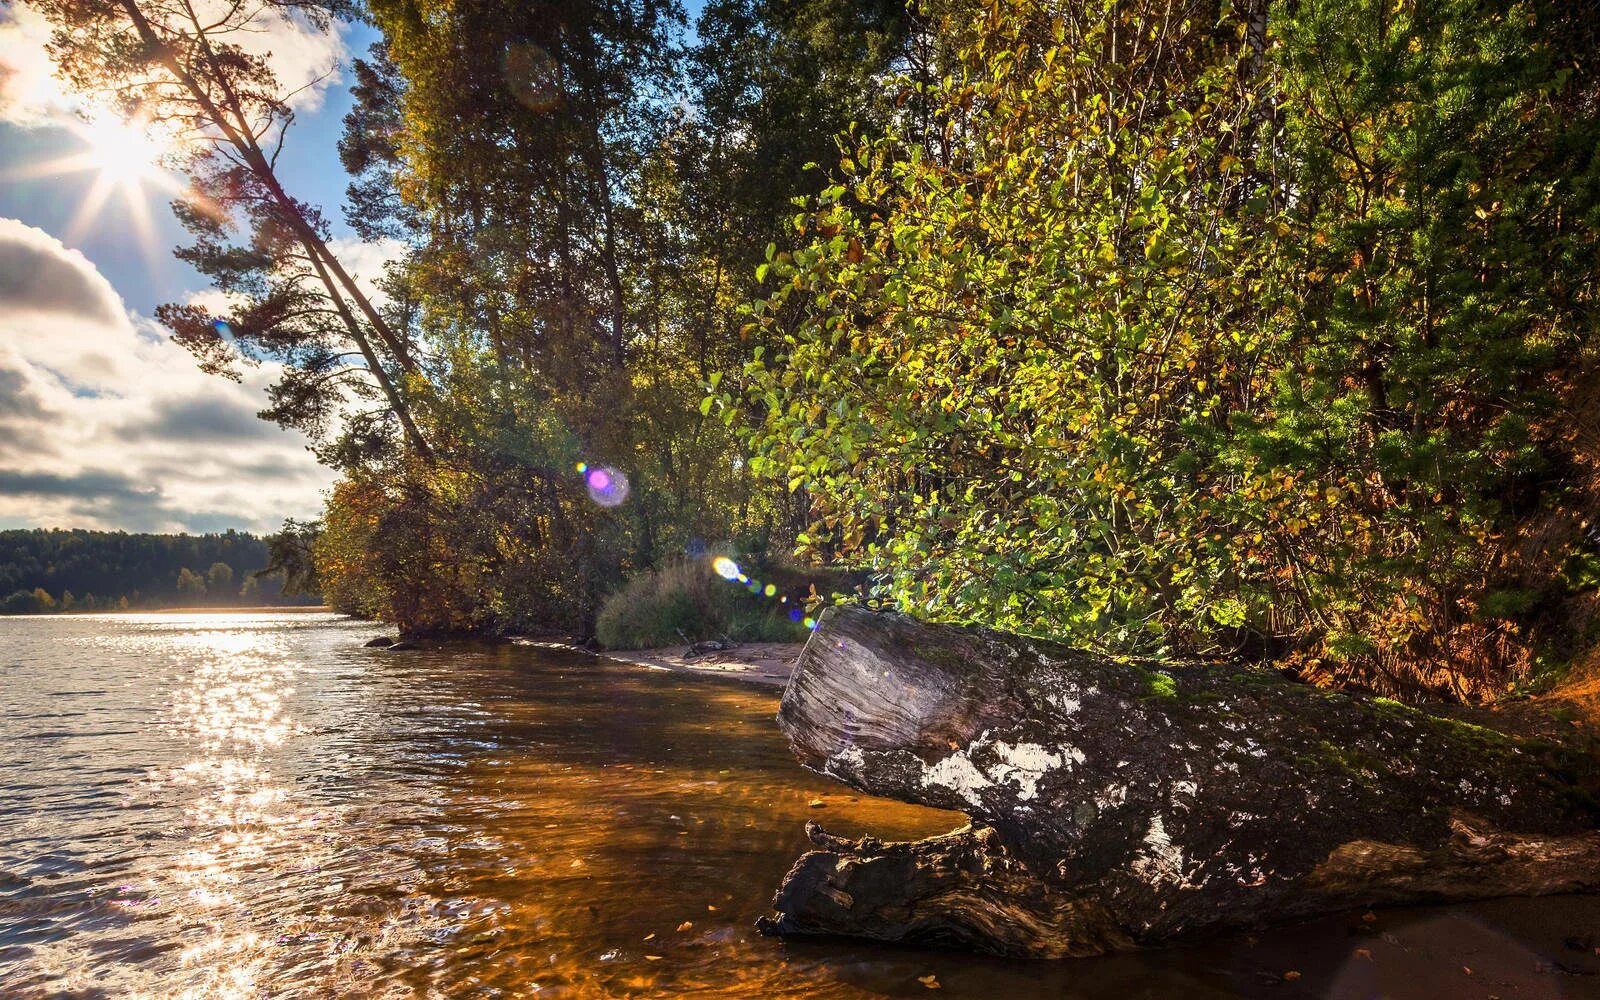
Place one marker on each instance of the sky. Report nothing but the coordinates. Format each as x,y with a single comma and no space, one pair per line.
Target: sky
104,423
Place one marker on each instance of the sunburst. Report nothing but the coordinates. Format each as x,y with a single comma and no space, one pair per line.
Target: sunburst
125,157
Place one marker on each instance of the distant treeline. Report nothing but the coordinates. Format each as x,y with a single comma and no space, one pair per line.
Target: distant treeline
78,570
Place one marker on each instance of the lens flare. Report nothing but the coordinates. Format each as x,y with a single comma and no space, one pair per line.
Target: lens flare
794,611
533,75
607,487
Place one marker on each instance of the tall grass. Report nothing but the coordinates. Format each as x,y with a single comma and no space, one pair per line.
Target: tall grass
687,601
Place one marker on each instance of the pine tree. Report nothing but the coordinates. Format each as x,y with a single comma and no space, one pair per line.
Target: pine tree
164,60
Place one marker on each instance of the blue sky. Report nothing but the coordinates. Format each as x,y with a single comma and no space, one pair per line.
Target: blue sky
309,168
103,421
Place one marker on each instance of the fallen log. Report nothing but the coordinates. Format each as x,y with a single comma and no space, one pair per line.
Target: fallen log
1117,803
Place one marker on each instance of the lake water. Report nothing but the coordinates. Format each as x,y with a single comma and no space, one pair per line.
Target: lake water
253,805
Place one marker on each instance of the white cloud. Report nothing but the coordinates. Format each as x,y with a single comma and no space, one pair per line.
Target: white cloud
30,94
366,262
216,302
305,59
104,422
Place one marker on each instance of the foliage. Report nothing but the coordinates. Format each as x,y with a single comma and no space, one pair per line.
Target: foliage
425,549
1193,335
115,570
191,586
219,578
1172,326
684,601
584,213
1004,371
1427,431
290,556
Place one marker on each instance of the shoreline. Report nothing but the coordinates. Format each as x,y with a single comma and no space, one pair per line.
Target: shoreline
219,609
765,663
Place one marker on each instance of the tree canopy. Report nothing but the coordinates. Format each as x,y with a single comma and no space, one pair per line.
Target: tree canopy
1174,327
113,570
1261,331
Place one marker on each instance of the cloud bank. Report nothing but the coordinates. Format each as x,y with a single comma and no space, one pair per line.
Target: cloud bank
104,422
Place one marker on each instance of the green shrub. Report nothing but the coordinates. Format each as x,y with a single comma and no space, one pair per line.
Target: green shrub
1117,360
687,601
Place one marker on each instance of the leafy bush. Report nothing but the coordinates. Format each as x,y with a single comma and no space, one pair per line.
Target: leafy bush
687,600
1002,364
1265,338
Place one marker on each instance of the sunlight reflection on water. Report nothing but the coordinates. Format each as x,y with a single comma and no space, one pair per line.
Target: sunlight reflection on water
254,805
239,806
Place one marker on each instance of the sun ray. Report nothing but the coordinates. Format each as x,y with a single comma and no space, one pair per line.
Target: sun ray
88,212
125,159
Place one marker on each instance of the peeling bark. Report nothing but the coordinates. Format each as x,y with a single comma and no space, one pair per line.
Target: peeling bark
1117,804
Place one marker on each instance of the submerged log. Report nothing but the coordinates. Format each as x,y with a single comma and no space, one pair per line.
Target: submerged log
1117,803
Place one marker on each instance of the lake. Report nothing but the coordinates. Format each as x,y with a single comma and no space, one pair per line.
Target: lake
253,805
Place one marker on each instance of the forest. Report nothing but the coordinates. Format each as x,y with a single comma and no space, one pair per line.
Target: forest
1171,328
48,571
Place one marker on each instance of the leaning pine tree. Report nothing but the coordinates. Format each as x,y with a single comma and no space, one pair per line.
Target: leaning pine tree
185,66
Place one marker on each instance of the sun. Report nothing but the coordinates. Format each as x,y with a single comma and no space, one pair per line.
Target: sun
123,153
125,157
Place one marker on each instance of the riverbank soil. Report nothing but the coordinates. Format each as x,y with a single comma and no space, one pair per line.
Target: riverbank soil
1570,711
765,663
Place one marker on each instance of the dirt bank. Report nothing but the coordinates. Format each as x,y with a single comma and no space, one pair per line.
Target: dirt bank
768,663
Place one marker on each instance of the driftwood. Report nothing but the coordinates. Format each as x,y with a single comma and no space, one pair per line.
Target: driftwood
1117,804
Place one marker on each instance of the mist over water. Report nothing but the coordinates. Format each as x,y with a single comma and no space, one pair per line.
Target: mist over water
252,805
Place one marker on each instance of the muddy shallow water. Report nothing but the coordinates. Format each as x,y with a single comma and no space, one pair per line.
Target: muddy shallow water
253,805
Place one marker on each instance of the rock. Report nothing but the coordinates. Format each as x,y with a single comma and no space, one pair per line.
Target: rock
381,642
403,646
1117,804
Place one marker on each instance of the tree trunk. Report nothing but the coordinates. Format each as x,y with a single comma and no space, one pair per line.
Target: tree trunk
1117,804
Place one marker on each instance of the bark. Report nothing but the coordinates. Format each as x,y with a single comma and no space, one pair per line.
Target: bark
1117,804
